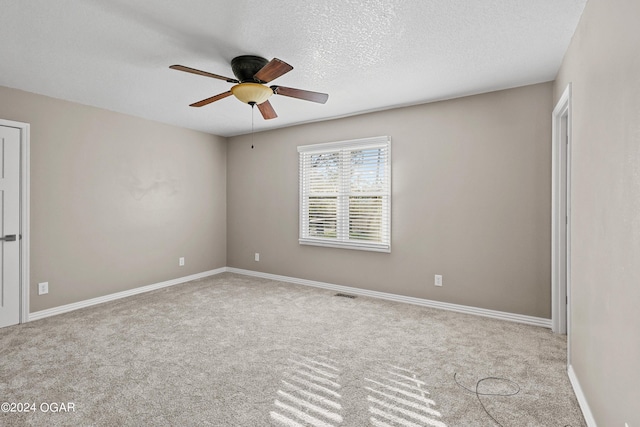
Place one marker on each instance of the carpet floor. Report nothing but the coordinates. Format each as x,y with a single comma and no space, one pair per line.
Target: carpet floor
232,350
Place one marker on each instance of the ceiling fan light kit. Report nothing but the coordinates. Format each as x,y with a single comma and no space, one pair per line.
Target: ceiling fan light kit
251,93
252,72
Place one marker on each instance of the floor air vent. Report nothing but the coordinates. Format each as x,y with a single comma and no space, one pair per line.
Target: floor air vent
345,296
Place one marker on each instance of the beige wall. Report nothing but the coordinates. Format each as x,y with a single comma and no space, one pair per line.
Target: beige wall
116,200
471,201
603,65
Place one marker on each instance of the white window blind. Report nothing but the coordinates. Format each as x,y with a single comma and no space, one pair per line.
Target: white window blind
345,194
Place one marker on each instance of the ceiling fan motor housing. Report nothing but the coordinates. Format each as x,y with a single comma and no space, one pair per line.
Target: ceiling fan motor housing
246,66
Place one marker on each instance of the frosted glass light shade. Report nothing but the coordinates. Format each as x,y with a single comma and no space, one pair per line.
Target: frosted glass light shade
251,92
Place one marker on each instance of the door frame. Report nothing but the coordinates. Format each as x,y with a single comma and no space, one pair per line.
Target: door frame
25,131
561,217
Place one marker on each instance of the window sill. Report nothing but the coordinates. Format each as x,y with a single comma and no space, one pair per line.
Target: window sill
372,247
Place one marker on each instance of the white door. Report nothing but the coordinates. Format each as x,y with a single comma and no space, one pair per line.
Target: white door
9,226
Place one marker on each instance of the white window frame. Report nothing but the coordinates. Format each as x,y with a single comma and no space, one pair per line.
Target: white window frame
342,240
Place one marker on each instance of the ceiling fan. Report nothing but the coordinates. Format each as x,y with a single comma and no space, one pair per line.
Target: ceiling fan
252,72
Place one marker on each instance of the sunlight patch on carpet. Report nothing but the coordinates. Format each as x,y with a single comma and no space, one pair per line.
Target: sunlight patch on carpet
310,394
398,396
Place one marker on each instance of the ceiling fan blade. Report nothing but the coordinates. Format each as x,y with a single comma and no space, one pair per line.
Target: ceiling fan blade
307,95
202,73
210,100
274,69
267,110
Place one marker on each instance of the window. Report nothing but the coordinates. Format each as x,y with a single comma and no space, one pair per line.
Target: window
345,194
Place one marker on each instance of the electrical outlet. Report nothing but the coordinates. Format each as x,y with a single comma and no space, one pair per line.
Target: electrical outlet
438,280
43,288
181,261
257,256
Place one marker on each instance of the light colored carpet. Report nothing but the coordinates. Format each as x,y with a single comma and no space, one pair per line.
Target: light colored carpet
232,350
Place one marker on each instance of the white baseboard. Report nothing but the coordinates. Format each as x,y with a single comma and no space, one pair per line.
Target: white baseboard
99,300
519,318
582,400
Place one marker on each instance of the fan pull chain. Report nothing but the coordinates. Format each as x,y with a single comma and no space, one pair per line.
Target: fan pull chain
253,104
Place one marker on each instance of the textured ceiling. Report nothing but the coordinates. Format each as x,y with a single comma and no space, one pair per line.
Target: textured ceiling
366,54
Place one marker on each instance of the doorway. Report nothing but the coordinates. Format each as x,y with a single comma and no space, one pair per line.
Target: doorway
561,216
14,223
